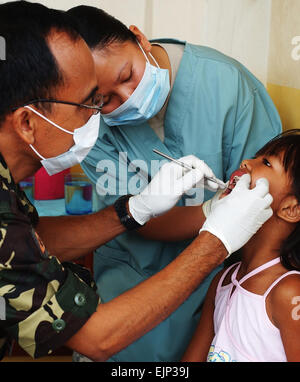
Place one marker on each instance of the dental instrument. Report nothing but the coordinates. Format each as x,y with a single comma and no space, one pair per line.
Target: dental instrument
221,184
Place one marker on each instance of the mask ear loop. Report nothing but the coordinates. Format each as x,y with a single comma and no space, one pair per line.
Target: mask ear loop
37,153
48,120
149,55
52,123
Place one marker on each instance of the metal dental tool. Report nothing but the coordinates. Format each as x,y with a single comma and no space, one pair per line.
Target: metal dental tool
221,184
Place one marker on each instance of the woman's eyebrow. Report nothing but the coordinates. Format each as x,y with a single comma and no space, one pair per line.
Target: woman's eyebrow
122,68
90,95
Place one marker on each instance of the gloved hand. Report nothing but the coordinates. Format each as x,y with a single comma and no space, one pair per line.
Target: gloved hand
237,217
208,206
208,185
167,187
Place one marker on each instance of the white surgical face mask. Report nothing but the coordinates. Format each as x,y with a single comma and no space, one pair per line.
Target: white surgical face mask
84,138
147,99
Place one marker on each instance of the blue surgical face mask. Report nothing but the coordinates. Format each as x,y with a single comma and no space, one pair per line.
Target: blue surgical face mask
84,139
147,99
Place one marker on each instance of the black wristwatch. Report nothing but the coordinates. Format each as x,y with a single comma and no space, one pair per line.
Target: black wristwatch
128,221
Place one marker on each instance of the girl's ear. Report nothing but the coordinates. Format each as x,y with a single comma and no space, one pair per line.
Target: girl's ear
289,209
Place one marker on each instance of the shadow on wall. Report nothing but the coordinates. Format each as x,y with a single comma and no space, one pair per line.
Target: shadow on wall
287,101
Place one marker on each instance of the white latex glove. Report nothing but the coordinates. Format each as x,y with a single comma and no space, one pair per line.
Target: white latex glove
237,217
208,185
167,187
209,204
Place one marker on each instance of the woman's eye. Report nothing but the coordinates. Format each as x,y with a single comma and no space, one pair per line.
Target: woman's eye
129,77
266,162
106,100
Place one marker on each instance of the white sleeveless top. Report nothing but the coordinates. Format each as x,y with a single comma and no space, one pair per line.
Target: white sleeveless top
243,329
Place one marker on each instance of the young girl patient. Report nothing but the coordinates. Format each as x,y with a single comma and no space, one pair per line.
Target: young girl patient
252,308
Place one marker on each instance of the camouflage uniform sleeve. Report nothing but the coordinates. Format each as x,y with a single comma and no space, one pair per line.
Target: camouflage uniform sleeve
46,302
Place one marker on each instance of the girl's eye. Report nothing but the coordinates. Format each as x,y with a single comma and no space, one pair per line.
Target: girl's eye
266,162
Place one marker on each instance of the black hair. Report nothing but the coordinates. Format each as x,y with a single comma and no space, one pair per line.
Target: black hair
29,71
288,144
98,28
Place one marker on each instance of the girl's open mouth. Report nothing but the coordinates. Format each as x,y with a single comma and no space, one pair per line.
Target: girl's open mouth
234,178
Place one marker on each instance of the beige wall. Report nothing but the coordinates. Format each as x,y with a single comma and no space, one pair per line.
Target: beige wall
239,28
128,11
285,25
258,33
283,82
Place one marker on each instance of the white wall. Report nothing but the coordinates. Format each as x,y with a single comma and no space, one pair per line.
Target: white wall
239,28
128,11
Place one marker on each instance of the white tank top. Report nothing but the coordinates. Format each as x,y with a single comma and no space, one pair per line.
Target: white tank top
243,329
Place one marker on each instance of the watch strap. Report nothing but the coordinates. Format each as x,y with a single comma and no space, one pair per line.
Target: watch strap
125,218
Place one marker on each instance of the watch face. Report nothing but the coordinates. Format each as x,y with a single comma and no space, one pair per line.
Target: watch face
125,218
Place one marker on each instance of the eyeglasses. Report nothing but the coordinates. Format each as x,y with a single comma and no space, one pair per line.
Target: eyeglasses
97,103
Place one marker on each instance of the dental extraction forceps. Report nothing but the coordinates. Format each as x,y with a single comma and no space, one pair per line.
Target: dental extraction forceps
219,182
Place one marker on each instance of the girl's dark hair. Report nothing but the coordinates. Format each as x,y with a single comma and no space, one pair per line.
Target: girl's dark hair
288,144
98,28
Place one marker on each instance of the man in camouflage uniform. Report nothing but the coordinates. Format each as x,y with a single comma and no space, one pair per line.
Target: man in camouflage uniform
35,283
50,301
46,302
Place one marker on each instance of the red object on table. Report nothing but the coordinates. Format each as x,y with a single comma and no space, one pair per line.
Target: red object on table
48,187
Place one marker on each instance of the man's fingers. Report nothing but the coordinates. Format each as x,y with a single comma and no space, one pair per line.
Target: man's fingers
268,200
189,180
243,183
212,186
262,187
196,163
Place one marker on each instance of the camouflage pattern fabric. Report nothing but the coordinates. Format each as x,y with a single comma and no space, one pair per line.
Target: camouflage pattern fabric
46,302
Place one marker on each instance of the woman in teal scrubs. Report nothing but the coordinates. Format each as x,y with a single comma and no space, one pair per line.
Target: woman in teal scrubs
196,101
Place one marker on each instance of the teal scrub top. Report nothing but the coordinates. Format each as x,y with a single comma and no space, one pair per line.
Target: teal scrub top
217,111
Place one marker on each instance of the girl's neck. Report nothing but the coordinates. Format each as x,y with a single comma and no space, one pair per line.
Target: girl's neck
265,244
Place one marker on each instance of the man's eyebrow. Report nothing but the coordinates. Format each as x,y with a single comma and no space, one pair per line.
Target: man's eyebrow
90,95
123,67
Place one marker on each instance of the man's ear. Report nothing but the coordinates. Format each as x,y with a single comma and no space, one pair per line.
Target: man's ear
142,39
24,125
289,209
